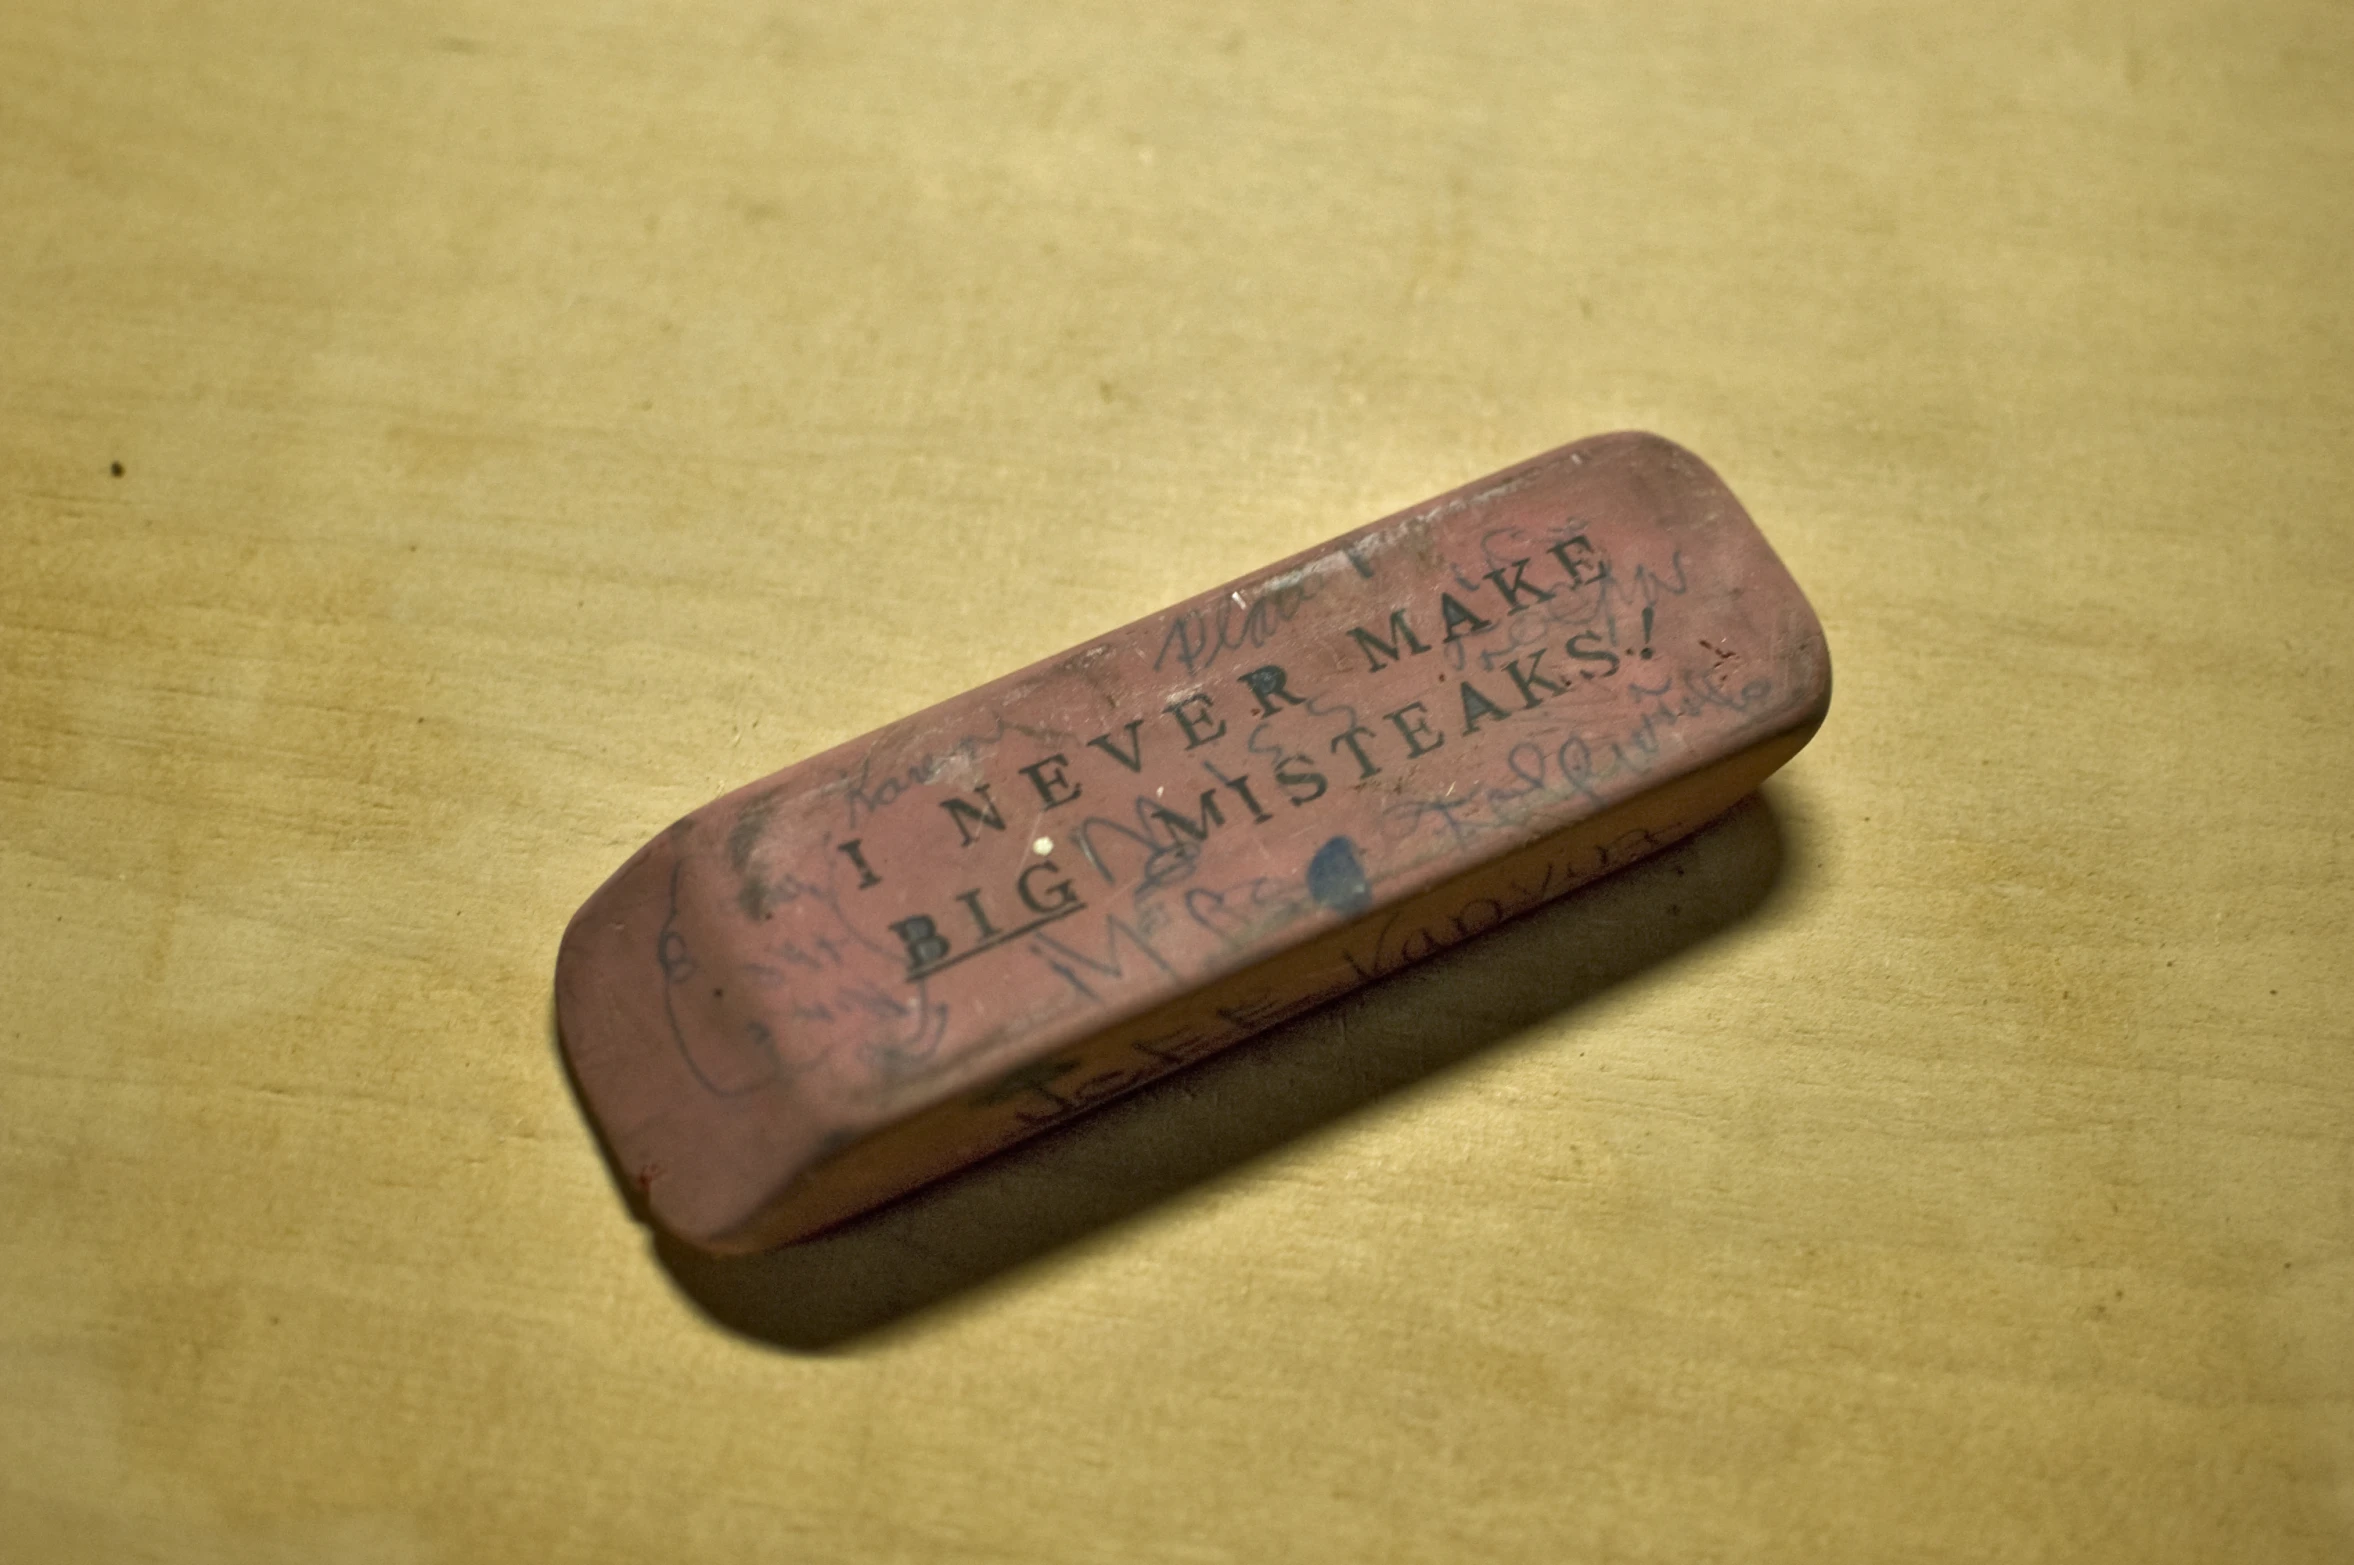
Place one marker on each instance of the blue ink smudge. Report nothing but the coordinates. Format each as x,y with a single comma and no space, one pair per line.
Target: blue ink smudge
1337,880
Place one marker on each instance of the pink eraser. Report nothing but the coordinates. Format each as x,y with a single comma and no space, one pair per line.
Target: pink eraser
914,949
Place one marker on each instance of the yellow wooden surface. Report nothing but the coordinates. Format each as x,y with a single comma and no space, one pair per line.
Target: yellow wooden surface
537,418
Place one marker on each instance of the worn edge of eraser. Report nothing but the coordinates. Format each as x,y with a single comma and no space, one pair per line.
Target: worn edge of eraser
864,1054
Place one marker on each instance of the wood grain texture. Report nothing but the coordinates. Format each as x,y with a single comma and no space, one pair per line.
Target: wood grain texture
536,420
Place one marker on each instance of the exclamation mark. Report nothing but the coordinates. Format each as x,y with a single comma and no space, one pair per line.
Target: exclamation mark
1646,630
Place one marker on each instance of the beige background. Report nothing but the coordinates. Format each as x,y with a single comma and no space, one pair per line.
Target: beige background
538,418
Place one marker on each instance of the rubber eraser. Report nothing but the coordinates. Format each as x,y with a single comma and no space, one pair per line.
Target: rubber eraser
901,955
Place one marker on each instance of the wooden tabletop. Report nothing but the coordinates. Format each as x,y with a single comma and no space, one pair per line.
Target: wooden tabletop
441,444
